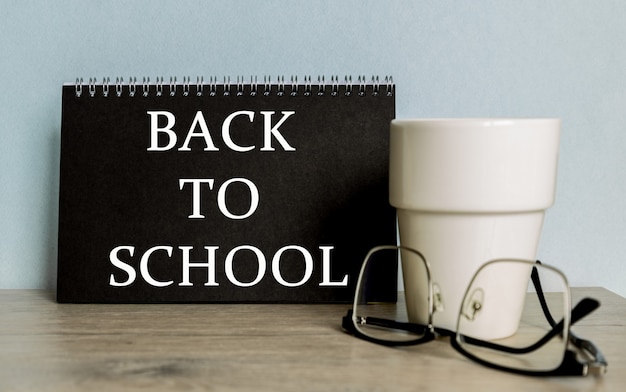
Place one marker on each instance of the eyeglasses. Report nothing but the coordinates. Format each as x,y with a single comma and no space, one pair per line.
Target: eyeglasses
507,320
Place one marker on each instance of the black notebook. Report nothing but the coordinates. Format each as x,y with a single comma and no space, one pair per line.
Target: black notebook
222,192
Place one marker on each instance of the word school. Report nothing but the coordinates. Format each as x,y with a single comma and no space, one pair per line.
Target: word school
186,264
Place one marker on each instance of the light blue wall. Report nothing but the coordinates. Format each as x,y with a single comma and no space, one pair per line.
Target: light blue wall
551,58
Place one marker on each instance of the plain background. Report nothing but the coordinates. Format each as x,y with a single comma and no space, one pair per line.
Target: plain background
532,58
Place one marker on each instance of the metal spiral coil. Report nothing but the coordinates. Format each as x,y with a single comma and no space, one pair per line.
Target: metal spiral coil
242,87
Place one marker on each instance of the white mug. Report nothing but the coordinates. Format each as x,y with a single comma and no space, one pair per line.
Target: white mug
468,191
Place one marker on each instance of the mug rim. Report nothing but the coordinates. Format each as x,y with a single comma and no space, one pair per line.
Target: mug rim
482,121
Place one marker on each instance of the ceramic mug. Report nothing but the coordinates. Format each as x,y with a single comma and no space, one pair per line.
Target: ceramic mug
468,191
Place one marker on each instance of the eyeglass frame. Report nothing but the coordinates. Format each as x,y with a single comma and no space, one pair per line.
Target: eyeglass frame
569,366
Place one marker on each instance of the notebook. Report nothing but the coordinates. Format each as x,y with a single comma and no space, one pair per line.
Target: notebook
243,192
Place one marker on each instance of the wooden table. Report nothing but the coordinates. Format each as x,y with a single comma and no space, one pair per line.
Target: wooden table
45,346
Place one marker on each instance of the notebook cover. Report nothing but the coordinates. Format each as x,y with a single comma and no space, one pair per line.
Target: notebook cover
173,196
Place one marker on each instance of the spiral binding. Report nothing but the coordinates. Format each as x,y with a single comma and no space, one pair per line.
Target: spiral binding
240,87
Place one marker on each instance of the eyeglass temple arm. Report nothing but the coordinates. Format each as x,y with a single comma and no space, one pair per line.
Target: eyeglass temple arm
379,322
571,365
582,344
542,299
599,363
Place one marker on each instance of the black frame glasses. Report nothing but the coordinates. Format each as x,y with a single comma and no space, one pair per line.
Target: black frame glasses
580,357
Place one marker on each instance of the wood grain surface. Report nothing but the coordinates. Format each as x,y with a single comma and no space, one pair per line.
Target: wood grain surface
46,346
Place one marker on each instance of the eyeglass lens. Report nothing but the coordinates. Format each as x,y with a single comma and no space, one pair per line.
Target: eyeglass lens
405,318
502,322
